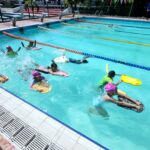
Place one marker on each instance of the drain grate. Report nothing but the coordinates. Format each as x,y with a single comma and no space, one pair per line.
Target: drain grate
38,143
2,110
22,134
14,127
53,146
25,136
5,119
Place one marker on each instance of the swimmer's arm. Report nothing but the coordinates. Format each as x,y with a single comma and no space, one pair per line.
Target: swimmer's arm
109,99
50,71
31,85
34,44
53,73
22,44
118,82
127,97
35,64
118,74
18,49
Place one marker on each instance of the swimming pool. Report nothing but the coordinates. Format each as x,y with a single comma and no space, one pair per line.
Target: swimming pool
71,97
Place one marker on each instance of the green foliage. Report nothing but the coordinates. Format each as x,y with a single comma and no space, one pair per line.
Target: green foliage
73,2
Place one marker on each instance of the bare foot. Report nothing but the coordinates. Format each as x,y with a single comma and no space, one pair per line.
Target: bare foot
40,90
138,103
138,107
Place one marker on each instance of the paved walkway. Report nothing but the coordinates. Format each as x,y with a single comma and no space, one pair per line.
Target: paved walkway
8,25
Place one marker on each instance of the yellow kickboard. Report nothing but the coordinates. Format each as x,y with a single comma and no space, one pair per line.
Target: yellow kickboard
42,88
107,68
131,80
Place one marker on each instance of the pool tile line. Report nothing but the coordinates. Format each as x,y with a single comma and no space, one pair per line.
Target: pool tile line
92,22
120,18
82,135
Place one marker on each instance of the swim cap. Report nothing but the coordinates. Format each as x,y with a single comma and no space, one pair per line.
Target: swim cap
109,87
8,46
36,73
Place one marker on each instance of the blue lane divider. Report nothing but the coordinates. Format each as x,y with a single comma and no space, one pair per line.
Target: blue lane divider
135,27
132,32
118,61
81,53
103,23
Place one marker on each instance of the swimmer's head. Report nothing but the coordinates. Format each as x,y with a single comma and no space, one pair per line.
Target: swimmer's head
8,47
111,74
36,74
54,66
85,61
109,87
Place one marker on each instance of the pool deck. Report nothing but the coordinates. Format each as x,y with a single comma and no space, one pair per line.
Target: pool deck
8,25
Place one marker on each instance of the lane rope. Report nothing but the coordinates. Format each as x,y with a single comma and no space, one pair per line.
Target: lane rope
92,22
81,53
96,37
97,29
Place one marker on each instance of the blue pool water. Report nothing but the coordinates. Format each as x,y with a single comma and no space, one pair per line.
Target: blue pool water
71,99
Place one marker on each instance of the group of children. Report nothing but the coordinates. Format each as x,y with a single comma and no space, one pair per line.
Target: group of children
10,52
37,69
106,85
110,90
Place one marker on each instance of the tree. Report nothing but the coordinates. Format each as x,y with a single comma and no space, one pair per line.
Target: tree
139,7
72,3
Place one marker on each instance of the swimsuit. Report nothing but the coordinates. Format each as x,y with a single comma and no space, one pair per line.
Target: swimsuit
75,61
104,81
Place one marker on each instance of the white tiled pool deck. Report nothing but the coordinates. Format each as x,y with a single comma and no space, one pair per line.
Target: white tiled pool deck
47,126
